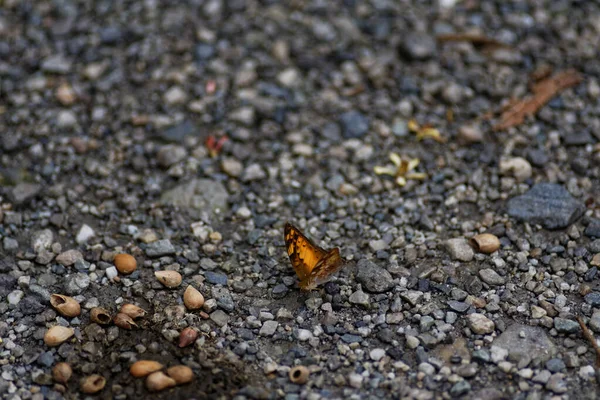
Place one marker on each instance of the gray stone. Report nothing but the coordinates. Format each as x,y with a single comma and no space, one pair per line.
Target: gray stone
523,340
460,388
459,249
593,299
223,297
359,297
216,278
555,365
178,132
557,384
69,257
563,325
418,46
491,277
354,124
254,172
480,324
160,248
458,306
219,317
10,244
85,233
170,154
595,321
593,229
373,278
547,204
201,194
24,192
76,283
56,64
269,328
41,240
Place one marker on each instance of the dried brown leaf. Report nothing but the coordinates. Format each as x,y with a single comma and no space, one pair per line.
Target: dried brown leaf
543,92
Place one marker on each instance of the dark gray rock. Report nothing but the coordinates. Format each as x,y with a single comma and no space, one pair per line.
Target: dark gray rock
24,192
563,325
178,132
160,248
418,46
373,278
216,278
593,229
593,299
547,204
354,124
523,340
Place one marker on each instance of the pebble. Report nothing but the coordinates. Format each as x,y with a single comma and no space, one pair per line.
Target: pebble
359,298
480,324
373,278
354,124
268,328
547,204
160,248
219,317
76,284
491,277
377,354
111,273
566,325
15,297
69,257
418,46
459,249
84,234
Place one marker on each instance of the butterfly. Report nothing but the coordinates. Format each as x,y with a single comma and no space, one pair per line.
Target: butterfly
312,264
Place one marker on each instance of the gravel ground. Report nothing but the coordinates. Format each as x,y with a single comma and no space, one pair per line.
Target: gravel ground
186,134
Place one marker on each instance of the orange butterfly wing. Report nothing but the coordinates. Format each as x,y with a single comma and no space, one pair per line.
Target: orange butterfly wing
312,264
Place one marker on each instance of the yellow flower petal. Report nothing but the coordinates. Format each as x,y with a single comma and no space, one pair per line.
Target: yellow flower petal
385,170
413,125
400,181
412,164
395,158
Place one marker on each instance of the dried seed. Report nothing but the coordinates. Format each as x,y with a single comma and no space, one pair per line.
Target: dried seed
100,316
170,279
62,372
181,373
187,336
125,263
143,368
299,374
57,335
158,381
92,384
192,298
124,321
132,310
65,305
485,243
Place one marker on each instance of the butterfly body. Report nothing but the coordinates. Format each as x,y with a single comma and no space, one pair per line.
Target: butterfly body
312,264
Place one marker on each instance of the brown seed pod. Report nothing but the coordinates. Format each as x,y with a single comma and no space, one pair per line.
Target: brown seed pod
57,335
92,384
100,316
299,374
132,310
192,298
62,372
65,305
124,321
170,279
187,336
125,263
181,373
158,381
143,368
485,243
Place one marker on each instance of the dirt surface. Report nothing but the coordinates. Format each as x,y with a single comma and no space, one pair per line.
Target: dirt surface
187,133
